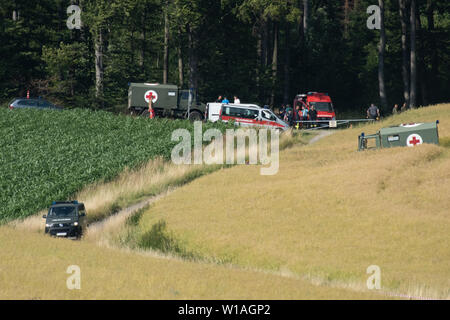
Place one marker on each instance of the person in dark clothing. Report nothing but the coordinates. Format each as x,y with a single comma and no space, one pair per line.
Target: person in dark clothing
313,116
373,112
297,117
290,118
219,99
282,111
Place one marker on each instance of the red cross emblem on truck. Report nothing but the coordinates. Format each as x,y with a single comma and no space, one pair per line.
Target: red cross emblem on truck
414,140
151,95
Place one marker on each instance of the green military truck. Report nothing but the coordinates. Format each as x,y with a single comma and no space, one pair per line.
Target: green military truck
404,135
168,101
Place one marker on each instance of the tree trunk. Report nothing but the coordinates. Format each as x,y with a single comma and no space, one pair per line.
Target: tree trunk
166,43
381,51
432,48
405,54
265,43
193,59
305,18
99,70
422,73
259,60
287,65
142,36
413,86
274,63
180,66
346,17
15,13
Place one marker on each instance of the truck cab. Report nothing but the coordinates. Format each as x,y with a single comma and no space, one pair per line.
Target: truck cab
66,219
321,102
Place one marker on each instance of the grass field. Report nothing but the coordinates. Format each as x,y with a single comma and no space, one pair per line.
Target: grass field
49,155
309,232
329,214
34,267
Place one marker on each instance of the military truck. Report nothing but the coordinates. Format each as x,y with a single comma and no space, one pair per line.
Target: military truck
66,219
168,101
404,135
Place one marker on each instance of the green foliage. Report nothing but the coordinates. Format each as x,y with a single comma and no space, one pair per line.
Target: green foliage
338,56
159,238
47,156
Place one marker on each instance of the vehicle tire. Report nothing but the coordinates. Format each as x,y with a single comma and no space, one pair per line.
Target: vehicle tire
80,234
195,116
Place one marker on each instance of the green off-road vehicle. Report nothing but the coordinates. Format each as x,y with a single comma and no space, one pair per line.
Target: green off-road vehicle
66,219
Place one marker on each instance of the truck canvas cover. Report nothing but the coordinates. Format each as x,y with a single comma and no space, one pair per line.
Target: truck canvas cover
163,96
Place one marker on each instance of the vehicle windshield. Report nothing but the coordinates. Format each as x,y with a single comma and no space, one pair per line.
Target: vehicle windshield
322,106
65,211
268,115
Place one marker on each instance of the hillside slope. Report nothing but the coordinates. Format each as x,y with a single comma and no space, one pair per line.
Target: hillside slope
329,214
34,267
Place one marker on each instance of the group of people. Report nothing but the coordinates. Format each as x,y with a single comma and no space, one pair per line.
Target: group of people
225,100
294,117
374,112
397,110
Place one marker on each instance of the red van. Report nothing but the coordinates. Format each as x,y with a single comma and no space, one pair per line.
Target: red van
321,102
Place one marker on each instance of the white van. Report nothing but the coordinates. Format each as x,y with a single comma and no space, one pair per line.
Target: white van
251,116
213,110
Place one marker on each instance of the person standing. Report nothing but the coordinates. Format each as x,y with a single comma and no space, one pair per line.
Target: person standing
236,100
225,101
313,116
395,110
404,107
297,117
151,111
289,118
373,112
282,111
304,115
219,99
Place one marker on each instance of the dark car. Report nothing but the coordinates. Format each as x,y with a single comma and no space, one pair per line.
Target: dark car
66,219
22,103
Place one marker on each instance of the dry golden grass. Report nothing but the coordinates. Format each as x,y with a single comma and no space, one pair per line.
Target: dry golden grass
329,213
34,267
135,186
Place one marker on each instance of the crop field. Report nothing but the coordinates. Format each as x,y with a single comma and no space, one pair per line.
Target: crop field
48,155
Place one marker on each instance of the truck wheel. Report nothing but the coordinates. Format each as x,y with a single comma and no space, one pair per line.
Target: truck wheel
195,116
145,114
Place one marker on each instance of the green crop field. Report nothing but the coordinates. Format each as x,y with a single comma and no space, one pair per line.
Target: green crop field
49,155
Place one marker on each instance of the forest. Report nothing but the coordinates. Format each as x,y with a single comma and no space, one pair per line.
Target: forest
263,51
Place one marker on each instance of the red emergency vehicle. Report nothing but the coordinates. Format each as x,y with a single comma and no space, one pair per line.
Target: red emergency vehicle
321,102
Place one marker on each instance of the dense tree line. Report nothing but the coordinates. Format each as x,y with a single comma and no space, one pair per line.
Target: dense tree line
264,51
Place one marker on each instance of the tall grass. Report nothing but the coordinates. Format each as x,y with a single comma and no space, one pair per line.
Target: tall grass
330,212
